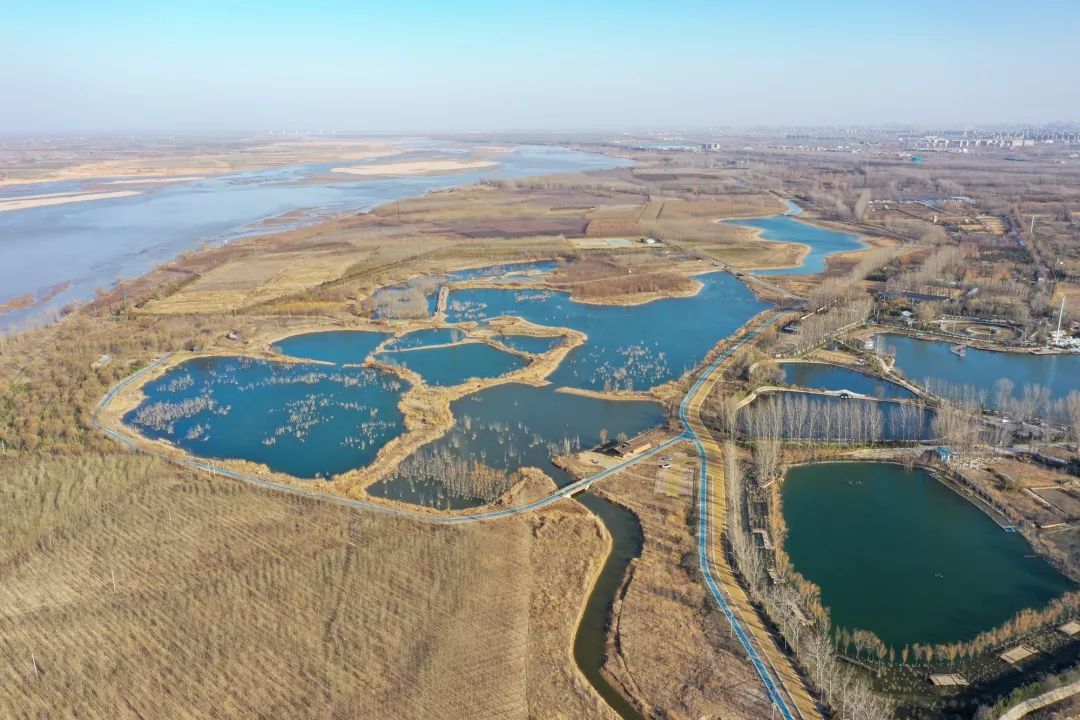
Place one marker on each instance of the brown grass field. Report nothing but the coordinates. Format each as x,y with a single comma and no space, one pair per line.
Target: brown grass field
131,589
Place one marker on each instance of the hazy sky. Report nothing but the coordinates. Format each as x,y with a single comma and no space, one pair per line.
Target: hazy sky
146,66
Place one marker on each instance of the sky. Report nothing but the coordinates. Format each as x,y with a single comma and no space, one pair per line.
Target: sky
455,65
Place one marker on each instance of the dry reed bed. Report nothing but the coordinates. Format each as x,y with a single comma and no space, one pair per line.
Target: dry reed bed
132,589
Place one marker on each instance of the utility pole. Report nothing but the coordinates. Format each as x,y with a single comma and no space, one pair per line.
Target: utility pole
1061,313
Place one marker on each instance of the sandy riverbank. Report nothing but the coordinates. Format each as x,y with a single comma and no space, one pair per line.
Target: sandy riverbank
196,163
417,167
32,201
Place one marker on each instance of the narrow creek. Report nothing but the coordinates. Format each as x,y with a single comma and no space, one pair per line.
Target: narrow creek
590,643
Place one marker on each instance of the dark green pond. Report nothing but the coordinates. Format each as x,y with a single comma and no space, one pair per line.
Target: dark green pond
898,553
299,418
454,364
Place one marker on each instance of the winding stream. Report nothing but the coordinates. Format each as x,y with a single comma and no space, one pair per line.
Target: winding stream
590,642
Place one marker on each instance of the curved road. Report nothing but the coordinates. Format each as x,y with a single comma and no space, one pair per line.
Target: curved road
751,634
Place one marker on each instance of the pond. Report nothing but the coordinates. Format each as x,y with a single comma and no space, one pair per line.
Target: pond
341,347
399,300
629,347
426,338
899,554
454,364
501,429
823,376
822,242
794,415
298,418
529,343
932,363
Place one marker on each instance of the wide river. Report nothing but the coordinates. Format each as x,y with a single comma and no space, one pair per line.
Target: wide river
89,245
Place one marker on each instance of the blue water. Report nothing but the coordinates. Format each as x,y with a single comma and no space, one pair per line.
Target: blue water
454,364
822,242
341,347
424,338
92,244
503,272
931,362
298,418
821,376
529,343
508,427
628,347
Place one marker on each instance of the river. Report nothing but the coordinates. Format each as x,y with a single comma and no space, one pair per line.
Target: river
77,248
822,242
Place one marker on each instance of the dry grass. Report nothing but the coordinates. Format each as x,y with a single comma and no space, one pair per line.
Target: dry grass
138,590
605,275
674,650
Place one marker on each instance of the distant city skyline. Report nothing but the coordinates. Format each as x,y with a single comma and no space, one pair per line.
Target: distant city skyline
68,67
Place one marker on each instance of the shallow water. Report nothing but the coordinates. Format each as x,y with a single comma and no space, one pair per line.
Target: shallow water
92,244
897,553
425,338
508,427
920,360
629,347
454,364
341,347
303,419
823,242
822,376
529,343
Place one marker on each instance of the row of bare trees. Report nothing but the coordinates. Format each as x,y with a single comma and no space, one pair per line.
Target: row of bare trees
842,687
800,417
817,327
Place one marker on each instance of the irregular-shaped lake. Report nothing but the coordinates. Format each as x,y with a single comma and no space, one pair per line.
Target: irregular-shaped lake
897,553
629,347
341,347
454,364
822,242
298,418
822,376
932,362
503,429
